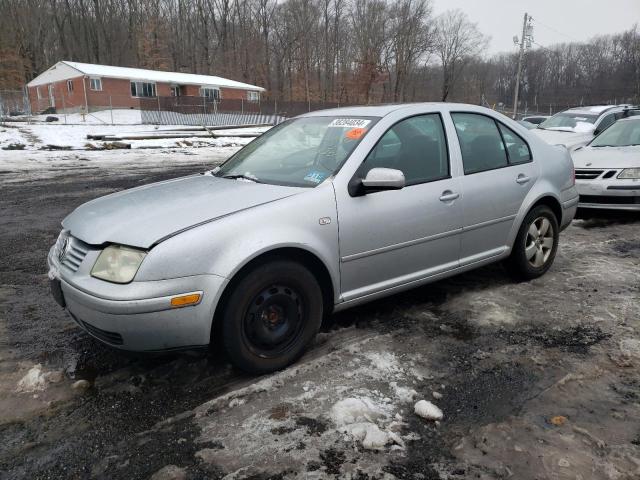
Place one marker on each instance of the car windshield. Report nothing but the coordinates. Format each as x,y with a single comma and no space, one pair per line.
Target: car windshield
300,152
620,134
570,122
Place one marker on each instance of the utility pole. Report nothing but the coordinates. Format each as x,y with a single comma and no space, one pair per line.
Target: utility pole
525,43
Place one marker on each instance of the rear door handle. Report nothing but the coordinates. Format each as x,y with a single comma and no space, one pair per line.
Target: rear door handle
522,179
448,196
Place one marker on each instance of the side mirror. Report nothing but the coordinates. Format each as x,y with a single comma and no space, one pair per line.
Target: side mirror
377,180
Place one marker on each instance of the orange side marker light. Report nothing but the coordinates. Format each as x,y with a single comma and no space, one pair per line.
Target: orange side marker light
185,300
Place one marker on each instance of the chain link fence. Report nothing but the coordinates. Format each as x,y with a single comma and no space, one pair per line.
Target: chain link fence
13,103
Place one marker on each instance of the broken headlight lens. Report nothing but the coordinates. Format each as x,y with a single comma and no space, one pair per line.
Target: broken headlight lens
118,264
630,173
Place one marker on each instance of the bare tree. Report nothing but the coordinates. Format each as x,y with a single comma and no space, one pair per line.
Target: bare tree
457,40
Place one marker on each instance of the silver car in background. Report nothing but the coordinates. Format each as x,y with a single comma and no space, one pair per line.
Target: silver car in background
608,168
323,212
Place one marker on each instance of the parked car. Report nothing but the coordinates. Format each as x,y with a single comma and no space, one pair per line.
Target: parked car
535,119
608,168
322,212
576,127
527,125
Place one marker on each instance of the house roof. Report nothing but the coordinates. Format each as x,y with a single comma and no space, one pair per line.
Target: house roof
136,74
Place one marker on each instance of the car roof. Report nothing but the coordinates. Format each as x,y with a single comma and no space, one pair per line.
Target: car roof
632,118
383,110
597,109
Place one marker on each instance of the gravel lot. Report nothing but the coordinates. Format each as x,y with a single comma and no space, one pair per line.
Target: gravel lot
536,380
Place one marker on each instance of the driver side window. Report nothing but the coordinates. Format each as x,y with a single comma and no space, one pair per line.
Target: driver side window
417,146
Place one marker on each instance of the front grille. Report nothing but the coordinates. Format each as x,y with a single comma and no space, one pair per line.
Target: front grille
609,199
113,338
70,251
76,251
587,174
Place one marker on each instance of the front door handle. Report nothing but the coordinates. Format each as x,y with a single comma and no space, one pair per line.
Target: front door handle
522,179
448,196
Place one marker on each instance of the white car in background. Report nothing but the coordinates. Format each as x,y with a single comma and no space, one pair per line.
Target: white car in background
608,168
576,127
535,119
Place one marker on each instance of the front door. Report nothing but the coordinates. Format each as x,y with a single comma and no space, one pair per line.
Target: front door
52,97
392,238
498,174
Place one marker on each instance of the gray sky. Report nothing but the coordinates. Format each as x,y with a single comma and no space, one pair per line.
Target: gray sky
569,19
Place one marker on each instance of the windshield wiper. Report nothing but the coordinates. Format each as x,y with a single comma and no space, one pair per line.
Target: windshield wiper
243,177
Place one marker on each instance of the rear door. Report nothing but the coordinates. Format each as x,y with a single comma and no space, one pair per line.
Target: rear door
498,174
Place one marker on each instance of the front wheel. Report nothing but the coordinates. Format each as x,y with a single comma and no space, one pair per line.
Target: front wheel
271,315
536,244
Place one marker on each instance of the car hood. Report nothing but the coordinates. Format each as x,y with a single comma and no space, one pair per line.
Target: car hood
559,137
144,216
606,157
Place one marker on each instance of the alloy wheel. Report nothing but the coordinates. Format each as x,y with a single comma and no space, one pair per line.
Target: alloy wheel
539,242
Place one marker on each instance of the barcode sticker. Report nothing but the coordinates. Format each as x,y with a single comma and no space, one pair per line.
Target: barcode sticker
350,123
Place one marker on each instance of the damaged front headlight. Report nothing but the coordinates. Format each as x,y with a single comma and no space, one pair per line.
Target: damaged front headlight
118,264
630,173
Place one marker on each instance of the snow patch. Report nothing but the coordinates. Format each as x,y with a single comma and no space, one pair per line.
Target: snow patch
404,394
384,361
34,380
354,410
428,410
371,437
357,418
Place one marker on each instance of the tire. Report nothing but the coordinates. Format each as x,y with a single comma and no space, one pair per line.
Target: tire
533,253
271,315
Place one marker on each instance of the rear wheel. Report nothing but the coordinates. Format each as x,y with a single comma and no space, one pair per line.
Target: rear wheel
536,244
271,315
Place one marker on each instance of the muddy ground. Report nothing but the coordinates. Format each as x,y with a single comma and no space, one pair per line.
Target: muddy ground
535,380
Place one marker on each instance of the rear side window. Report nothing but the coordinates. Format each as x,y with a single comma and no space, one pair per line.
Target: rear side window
607,122
480,142
517,149
417,146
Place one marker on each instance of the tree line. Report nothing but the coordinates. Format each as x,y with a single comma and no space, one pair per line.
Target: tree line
346,51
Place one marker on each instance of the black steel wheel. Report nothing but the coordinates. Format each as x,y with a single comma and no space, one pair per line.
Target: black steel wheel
271,315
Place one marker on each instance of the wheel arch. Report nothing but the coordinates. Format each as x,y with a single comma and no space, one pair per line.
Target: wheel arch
551,202
310,260
544,198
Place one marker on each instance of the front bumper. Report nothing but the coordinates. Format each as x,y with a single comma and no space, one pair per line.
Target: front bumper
611,194
139,316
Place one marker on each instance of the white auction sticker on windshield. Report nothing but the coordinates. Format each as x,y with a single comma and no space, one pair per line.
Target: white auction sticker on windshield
350,123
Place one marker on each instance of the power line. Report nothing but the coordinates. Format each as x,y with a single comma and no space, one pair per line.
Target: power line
555,30
544,48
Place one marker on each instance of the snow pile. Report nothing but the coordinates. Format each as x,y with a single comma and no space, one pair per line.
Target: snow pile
33,381
428,410
404,394
357,418
352,410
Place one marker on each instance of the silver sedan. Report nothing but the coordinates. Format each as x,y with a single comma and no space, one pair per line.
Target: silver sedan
608,169
323,212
